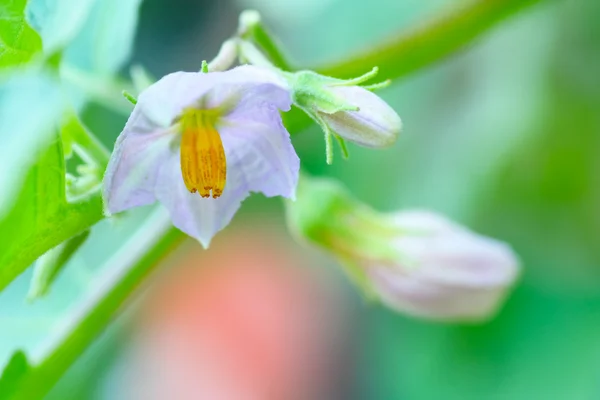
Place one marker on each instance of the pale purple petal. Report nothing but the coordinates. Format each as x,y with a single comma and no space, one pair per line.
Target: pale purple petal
259,148
146,163
139,153
258,101
418,295
166,99
260,158
376,124
466,259
426,222
199,217
451,253
445,272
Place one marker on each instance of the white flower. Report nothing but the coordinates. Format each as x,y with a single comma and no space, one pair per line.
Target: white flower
193,135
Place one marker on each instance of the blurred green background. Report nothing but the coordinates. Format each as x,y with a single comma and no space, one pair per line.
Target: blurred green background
503,137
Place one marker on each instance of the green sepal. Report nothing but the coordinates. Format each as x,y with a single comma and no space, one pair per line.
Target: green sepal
327,216
343,146
378,86
310,91
131,98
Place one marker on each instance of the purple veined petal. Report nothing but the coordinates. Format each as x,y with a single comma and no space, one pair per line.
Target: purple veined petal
489,263
166,99
376,124
259,149
452,253
417,295
261,99
424,221
138,156
260,158
446,271
200,218
251,87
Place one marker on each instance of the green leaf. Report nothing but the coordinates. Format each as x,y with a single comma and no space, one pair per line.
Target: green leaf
57,21
97,34
125,272
105,43
42,218
101,48
42,196
16,369
30,107
18,42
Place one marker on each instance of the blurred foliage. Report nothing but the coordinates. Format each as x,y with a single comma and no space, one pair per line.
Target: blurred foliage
13,372
57,21
43,215
18,42
503,137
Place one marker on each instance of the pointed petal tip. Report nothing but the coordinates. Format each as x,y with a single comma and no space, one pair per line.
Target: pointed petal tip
106,212
292,195
204,242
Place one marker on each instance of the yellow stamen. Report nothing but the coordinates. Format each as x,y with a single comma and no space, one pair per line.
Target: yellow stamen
203,163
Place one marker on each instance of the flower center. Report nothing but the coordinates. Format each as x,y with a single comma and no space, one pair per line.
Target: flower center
203,164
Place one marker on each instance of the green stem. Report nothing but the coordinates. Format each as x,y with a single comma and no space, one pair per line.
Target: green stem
266,42
225,58
125,272
74,219
251,54
251,28
429,42
420,46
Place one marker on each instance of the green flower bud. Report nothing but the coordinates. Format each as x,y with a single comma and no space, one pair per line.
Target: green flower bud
415,262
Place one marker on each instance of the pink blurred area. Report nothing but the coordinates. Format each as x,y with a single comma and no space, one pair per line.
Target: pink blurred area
248,319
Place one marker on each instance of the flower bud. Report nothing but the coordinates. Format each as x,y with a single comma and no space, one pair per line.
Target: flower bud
225,58
415,262
345,109
375,124
447,272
